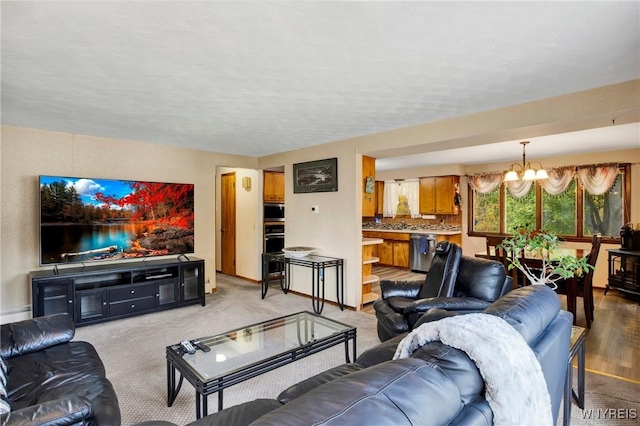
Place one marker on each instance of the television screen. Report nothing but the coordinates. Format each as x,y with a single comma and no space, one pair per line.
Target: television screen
85,220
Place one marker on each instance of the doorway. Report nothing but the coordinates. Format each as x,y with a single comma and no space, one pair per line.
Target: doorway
228,224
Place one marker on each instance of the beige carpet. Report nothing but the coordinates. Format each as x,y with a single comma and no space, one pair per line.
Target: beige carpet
133,351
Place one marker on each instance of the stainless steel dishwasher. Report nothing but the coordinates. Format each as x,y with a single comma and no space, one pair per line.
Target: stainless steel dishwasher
421,251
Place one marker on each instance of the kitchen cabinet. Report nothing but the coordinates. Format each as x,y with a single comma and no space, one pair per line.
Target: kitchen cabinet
456,239
437,194
379,197
394,249
273,187
368,186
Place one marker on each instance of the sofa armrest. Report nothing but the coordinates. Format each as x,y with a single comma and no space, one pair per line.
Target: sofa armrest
467,304
59,412
35,334
408,289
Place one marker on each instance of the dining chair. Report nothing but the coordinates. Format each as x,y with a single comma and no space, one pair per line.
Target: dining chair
492,241
582,286
501,255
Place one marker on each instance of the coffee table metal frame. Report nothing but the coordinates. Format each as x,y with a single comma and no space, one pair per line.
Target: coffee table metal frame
318,264
576,347
206,387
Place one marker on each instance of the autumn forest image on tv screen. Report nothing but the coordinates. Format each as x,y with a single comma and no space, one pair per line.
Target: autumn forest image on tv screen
101,219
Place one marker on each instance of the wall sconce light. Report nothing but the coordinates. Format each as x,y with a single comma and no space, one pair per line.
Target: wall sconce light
246,183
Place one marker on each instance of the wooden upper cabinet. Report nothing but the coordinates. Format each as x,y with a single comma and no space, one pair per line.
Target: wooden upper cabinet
428,195
379,197
437,195
273,187
368,188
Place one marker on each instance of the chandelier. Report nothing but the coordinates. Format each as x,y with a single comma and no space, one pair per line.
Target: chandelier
525,171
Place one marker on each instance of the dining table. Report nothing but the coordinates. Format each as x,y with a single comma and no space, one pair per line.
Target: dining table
535,261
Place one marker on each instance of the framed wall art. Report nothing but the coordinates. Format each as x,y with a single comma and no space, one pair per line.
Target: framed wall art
315,176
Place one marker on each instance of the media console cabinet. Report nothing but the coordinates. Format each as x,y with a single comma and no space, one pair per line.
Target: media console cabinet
98,293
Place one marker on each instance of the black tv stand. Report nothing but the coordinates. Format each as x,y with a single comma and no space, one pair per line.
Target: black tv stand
106,291
183,256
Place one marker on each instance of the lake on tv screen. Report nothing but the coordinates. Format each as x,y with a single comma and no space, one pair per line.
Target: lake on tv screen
92,219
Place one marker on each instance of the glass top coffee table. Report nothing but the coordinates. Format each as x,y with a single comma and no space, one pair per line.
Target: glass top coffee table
247,352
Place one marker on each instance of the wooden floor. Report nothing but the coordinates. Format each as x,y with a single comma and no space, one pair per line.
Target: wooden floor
613,343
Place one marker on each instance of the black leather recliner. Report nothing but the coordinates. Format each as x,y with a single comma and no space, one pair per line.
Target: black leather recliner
478,283
400,305
52,380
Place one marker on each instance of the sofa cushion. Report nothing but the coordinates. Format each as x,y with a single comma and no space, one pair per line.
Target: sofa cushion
313,382
241,414
66,363
480,278
456,365
380,353
401,392
32,335
62,371
65,411
528,309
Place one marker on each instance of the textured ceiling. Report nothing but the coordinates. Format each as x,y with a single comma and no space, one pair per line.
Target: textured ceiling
257,78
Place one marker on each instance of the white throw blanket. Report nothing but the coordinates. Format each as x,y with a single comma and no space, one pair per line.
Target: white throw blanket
515,387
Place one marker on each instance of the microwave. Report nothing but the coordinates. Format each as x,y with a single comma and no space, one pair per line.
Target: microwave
273,212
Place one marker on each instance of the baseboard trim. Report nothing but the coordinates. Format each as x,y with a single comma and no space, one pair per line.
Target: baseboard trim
14,314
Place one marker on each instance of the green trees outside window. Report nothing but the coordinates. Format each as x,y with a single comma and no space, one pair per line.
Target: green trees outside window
486,212
559,211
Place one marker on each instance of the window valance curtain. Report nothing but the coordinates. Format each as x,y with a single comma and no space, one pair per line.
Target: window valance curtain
519,188
559,180
484,184
596,179
390,204
411,188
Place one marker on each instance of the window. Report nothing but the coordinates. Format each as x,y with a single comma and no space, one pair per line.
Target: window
520,212
401,198
600,212
573,211
559,211
486,212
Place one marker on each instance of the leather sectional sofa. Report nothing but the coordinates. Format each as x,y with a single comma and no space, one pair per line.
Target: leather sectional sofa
52,380
437,384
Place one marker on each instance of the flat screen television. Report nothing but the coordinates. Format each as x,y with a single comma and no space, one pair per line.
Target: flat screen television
86,220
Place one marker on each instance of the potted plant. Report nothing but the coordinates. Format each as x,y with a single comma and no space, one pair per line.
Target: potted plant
541,245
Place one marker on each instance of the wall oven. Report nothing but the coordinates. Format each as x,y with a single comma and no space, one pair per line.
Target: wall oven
273,242
273,212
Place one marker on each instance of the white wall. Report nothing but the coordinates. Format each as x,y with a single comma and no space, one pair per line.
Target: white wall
28,153
336,230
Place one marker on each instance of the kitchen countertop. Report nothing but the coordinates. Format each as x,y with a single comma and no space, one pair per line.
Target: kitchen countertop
417,231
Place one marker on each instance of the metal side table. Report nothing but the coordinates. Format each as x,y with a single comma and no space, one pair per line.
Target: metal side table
318,264
576,347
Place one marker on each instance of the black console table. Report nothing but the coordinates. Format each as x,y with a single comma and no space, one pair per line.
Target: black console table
624,271
318,264
106,291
